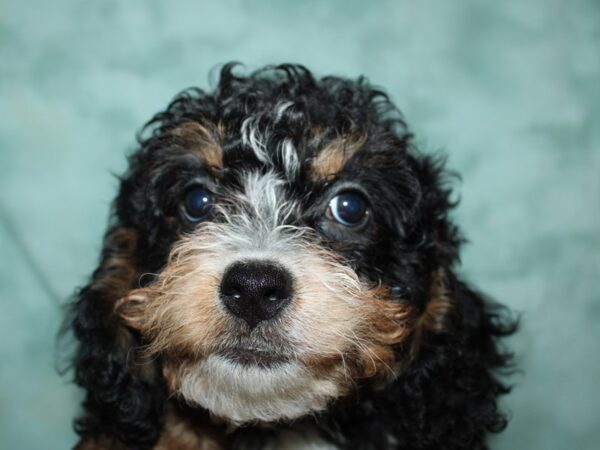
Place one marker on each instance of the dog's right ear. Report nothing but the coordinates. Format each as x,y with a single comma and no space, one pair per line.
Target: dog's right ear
124,395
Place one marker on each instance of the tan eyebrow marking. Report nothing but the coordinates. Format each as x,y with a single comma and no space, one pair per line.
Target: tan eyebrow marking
204,139
332,158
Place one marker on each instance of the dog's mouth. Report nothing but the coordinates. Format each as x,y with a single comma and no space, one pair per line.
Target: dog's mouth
253,356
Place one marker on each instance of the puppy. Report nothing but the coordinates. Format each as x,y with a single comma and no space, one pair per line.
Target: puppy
280,272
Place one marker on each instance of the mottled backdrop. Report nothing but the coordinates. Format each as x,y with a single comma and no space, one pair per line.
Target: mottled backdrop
509,89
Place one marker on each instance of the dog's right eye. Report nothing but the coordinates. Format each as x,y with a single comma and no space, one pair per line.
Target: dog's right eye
197,204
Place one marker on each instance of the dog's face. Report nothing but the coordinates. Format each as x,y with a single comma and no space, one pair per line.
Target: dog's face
290,248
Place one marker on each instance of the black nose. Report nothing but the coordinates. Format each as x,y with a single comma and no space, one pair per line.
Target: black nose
256,290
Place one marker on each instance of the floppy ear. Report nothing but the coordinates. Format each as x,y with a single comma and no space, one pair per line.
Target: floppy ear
464,367
124,396
454,378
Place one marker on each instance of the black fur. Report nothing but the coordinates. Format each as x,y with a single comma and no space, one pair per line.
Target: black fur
446,398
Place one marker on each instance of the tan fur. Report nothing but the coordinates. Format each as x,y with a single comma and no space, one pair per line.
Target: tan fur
119,266
118,275
439,308
389,327
332,158
438,313
205,140
338,332
338,329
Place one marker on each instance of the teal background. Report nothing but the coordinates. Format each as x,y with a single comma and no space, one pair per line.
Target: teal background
509,89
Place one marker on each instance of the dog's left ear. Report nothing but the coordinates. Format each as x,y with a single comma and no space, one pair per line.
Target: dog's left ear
434,241
124,395
456,348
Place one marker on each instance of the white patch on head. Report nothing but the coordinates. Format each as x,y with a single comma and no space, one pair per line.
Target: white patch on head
289,156
256,217
264,195
250,393
251,137
281,108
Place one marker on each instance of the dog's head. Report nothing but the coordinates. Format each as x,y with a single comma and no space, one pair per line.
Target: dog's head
277,244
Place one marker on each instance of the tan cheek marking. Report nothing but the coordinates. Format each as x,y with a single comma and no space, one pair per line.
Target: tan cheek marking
343,328
385,324
389,326
326,311
179,312
331,159
184,317
204,139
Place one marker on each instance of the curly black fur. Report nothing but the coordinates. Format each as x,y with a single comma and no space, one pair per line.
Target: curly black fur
446,398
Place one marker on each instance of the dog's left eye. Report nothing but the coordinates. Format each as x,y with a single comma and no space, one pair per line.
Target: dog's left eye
348,208
197,204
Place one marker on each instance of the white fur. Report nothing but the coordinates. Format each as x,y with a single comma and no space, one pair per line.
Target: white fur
281,108
252,137
250,393
289,158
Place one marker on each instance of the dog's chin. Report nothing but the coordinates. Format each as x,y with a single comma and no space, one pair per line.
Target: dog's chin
250,386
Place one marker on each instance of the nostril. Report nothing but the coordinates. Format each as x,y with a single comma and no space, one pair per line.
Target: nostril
274,295
230,291
236,295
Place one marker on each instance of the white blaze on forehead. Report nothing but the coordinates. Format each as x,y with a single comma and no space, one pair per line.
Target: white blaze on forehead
266,197
262,210
257,223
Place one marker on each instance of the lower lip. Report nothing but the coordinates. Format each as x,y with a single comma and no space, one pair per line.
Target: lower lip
249,357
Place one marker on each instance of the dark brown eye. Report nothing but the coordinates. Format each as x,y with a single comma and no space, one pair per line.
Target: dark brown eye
348,208
197,204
